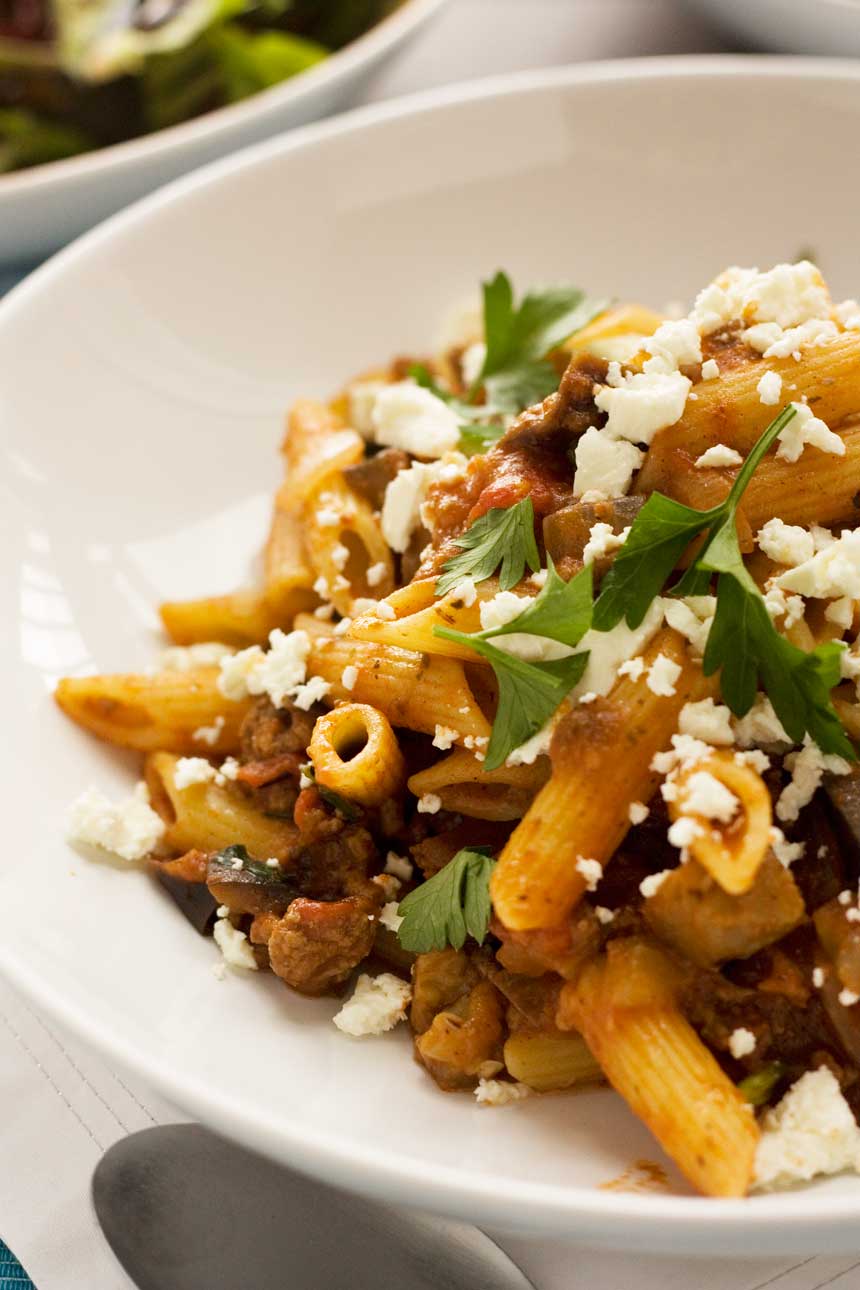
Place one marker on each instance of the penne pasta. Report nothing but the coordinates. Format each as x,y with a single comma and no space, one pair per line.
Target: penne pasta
547,1063
462,784
242,618
355,753
731,851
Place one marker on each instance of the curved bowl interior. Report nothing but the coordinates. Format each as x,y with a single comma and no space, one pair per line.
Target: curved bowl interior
47,206
144,375
791,26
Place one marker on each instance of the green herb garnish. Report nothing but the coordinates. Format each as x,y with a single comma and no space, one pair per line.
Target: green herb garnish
757,1088
228,855
336,801
503,536
743,641
453,904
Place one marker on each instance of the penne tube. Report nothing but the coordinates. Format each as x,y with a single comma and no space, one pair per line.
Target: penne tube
550,1062
180,712
411,689
463,785
345,552
732,852
241,618
624,1005
209,816
418,612
355,753
602,335
288,575
316,445
601,762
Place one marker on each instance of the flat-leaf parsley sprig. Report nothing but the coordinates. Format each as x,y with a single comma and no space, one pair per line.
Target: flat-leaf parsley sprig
502,536
743,641
453,904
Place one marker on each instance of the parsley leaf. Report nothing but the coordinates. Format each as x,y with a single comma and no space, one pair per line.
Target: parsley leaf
502,536
336,801
757,1088
561,610
529,693
515,373
453,904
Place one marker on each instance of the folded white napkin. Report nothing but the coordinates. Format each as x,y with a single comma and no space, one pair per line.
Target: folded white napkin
67,1107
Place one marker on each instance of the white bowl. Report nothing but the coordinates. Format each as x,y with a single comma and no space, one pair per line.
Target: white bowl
144,373
791,26
47,206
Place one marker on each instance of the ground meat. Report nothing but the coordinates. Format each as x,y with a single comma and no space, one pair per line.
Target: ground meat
337,862
268,731
317,944
370,477
433,853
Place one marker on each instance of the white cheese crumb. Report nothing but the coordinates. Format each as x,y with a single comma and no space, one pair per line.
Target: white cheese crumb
692,616
674,344
376,573
405,495
841,612
385,611
642,404
604,915
209,734
634,667
377,1004
398,866
786,852
803,429
742,1042
339,555
389,916
818,977
705,795
502,609
760,726
229,769
709,721
497,1092
787,294
349,676
770,388
528,753
130,829
602,541
608,651
444,737
651,885
785,543
234,946
407,416
710,369
812,1131
848,998
471,362
604,466
192,770
277,673
362,396
429,804
588,697
637,812
465,592
719,455
662,675
181,658
684,831
591,871
833,572
807,771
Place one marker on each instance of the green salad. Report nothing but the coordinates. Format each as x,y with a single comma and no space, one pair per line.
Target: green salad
82,74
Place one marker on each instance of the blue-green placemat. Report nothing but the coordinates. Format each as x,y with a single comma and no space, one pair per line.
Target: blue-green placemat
12,1275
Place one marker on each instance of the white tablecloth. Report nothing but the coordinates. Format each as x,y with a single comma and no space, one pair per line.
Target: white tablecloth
62,1106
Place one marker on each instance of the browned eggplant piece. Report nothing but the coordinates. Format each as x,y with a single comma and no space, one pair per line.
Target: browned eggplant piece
843,792
194,900
840,939
370,477
246,886
566,532
845,1021
693,914
820,871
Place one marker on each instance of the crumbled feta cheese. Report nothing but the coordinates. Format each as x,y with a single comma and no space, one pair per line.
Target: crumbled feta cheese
753,757
602,540
181,658
604,466
471,362
377,573
322,589
130,829
693,617
709,721
361,397
273,863
528,753
609,650
591,871
803,429
634,667
305,696
779,343
465,592
674,344
209,734
444,737
497,1092
405,495
787,294
684,831
341,628
770,388
604,915
645,403
588,697
812,1131
662,675
705,795
718,456
502,609
234,945
742,1042
385,611
407,416
786,852
684,754
790,609
785,543
277,673
349,676
229,769
327,519
831,573
807,771
339,555
637,812
389,916
192,770
710,369
649,886
848,998
376,1005
760,725
429,804
398,866
818,977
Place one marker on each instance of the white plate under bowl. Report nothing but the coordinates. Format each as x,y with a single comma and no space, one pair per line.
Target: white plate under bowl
144,373
47,206
791,26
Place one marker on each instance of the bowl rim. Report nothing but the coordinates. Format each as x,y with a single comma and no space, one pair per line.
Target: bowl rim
526,1205
364,51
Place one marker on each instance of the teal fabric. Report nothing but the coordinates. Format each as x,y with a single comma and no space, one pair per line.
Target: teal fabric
12,1275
